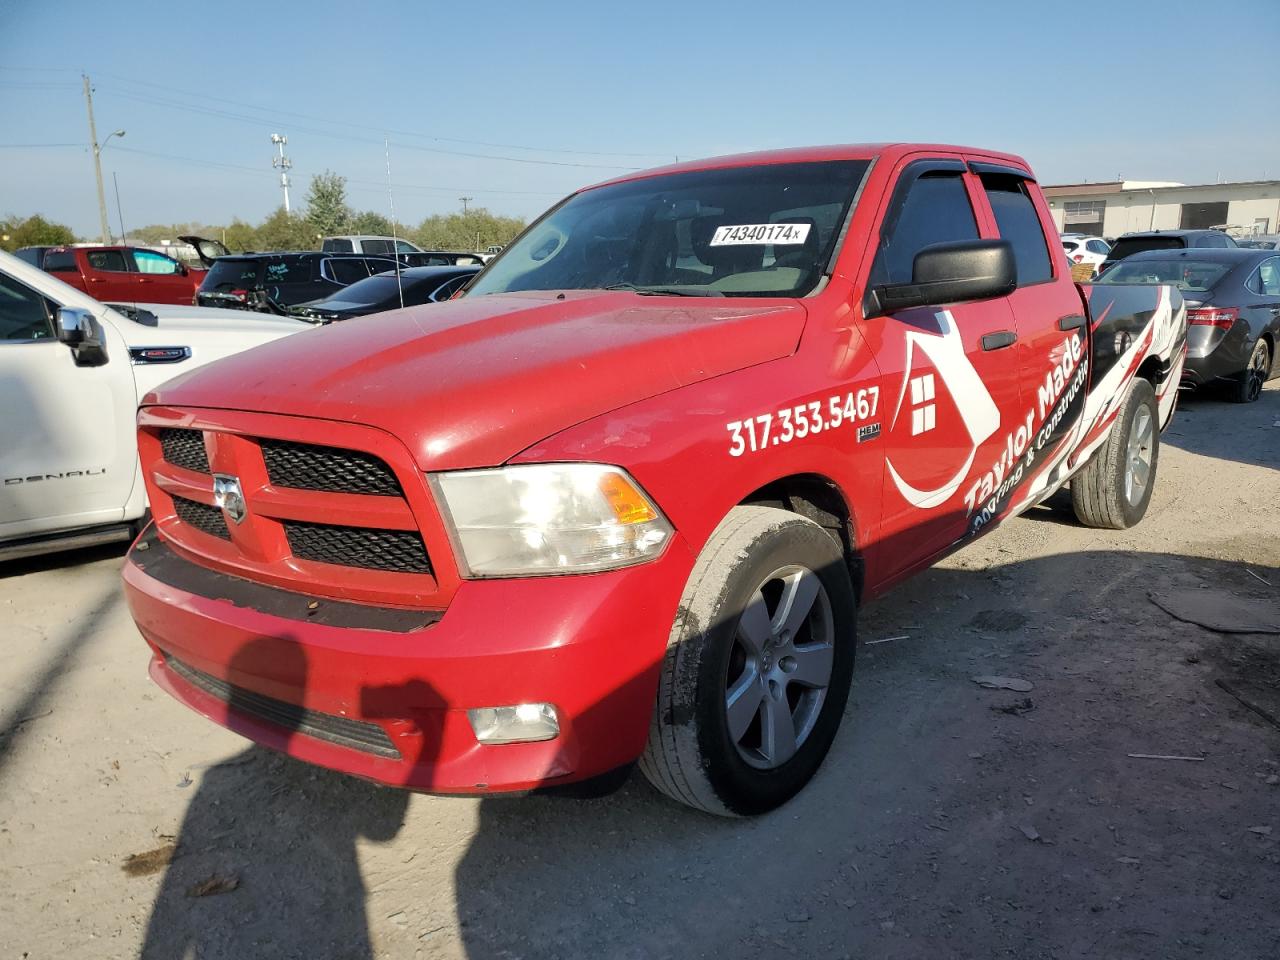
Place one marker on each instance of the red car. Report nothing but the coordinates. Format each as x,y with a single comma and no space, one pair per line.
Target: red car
124,274
621,501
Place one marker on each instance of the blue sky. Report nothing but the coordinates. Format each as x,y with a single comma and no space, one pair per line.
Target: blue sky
515,104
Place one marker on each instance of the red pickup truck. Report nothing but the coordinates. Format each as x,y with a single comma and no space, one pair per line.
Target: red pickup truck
124,274
622,500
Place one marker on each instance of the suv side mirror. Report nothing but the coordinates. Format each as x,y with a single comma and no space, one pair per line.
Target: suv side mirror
957,272
80,331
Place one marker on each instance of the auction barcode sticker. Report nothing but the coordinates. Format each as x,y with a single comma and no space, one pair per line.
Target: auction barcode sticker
760,233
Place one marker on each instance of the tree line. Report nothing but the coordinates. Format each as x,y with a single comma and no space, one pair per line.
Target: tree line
326,213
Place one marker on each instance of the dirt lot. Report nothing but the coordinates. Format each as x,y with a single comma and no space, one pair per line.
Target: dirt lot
949,821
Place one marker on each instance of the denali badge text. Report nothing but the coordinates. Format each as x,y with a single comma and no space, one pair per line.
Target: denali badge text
228,495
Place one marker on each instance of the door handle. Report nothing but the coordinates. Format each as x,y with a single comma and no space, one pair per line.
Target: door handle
998,340
1072,321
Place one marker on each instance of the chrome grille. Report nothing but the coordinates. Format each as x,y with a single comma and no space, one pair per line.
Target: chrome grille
202,517
185,448
305,466
398,551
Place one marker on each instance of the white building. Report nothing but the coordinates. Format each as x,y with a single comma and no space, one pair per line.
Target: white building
1124,206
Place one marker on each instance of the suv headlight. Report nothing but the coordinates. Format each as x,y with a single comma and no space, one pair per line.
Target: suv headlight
549,518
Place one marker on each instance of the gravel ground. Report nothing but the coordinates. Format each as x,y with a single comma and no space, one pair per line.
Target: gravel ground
949,820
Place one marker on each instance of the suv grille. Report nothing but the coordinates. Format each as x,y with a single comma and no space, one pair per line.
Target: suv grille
305,466
401,551
356,734
202,517
185,448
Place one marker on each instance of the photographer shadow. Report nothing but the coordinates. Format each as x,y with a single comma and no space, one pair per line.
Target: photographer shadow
265,863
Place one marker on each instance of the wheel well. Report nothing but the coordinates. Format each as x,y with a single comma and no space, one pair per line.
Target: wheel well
818,499
1153,370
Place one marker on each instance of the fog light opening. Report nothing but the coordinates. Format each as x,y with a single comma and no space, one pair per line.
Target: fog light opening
519,723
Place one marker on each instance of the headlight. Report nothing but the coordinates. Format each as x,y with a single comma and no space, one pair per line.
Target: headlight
549,518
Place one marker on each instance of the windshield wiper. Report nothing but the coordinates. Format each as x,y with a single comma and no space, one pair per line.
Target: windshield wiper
665,291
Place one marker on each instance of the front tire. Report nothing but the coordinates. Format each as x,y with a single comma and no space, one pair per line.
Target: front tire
1248,386
758,666
1114,488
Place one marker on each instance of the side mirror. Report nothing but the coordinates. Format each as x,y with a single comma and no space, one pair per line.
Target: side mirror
74,325
945,273
80,331
182,269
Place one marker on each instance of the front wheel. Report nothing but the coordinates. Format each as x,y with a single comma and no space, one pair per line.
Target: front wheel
1248,386
1114,488
758,666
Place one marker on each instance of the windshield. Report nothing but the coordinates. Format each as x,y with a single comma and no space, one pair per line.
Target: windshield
1192,275
226,275
367,293
759,231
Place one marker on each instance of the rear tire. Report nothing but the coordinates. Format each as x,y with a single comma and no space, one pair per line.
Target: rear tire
1248,386
758,666
1113,490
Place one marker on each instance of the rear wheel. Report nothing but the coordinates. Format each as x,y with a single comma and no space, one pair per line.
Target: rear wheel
1248,386
1113,489
758,666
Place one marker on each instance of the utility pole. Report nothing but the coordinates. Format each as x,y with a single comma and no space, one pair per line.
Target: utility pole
282,163
465,201
97,161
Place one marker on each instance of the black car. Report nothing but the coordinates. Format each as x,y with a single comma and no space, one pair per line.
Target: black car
273,282
1233,311
419,285
33,255
1132,243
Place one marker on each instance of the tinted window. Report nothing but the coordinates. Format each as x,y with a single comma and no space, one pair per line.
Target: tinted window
337,245
149,262
24,315
287,270
403,246
376,246
227,274
381,266
30,254
1097,246
60,261
732,222
1128,246
449,289
108,261
346,271
1019,224
936,209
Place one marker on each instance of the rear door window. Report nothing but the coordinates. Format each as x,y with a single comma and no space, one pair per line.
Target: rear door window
337,245
1019,223
936,209
376,246
107,261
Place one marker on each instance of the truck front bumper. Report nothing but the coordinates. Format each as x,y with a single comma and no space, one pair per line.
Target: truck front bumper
383,693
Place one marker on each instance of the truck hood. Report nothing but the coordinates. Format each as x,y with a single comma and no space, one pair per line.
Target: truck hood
473,382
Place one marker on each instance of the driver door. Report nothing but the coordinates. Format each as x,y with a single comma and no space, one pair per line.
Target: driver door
950,378
67,447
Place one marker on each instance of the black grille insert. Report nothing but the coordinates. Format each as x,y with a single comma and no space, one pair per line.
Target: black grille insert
400,551
185,448
202,517
357,734
305,466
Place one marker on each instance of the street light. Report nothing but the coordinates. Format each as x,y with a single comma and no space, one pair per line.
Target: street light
97,169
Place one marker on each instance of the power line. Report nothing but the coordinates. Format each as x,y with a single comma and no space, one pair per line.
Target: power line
273,115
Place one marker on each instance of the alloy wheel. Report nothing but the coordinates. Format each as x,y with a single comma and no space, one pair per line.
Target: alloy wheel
1138,455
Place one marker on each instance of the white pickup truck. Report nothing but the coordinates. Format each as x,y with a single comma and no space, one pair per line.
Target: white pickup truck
71,373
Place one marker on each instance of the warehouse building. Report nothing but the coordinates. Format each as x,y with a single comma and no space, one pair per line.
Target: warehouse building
1124,206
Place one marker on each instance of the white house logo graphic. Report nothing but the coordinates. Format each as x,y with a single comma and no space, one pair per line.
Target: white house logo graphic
978,412
924,416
